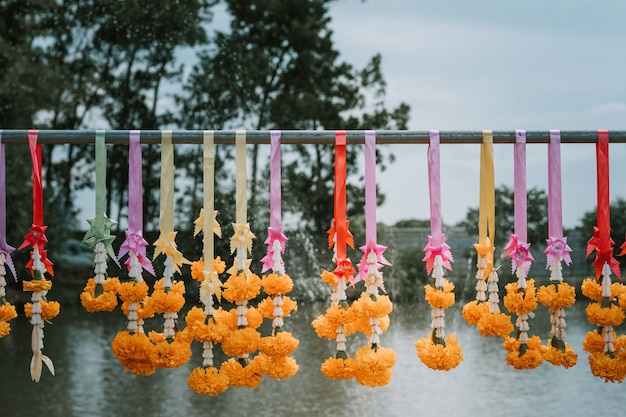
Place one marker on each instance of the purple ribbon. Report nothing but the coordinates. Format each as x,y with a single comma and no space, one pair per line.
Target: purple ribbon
5,248
274,232
134,235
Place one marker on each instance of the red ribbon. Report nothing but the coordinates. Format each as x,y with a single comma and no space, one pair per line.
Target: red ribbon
36,157
603,242
340,193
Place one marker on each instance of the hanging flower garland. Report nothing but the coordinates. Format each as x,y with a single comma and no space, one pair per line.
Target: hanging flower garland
607,352
132,347
100,292
557,295
39,310
436,351
521,297
172,347
276,348
201,322
373,361
242,338
339,315
484,312
7,310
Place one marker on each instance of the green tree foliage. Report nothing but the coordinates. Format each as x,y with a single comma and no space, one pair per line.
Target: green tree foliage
537,217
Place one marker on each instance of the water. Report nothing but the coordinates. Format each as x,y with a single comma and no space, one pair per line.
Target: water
90,382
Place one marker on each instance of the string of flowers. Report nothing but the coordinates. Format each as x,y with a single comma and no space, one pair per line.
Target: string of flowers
39,310
132,347
436,351
607,357
523,352
276,348
483,311
201,322
334,324
7,310
242,338
100,292
557,295
373,361
172,348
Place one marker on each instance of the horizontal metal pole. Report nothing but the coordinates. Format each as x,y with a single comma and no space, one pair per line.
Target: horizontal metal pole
383,137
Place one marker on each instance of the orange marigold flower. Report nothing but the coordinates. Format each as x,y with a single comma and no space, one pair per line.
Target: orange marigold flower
556,357
169,353
473,311
110,285
133,291
208,381
328,277
373,379
602,316
134,352
373,360
196,270
107,301
438,298
439,357
203,328
337,315
337,368
49,309
218,265
266,307
144,309
363,325
282,344
324,328
593,342
7,312
495,324
557,296
249,375
276,284
166,302
520,301
281,367
241,342
238,287
592,289
5,329
606,367
529,358
36,285
368,307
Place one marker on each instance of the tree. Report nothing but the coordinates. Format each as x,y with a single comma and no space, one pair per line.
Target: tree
277,68
537,217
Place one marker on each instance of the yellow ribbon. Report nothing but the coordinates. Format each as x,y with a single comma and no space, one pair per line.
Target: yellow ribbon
487,210
208,179
166,215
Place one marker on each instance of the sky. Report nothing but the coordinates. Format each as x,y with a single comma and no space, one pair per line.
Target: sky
499,65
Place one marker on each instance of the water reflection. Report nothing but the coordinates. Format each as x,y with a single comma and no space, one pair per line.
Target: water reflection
90,382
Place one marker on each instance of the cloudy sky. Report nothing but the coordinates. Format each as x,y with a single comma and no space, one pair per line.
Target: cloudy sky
500,65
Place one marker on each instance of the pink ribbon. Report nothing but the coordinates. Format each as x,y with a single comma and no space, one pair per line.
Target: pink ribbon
274,232
134,241
557,243
518,249
370,209
437,240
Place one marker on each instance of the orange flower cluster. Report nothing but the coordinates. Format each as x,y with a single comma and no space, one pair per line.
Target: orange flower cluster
134,352
49,309
523,355
100,297
439,356
607,351
7,313
373,365
170,300
198,266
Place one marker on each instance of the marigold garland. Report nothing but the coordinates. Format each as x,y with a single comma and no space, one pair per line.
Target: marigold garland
7,310
100,297
208,381
437,356
523,354
134,352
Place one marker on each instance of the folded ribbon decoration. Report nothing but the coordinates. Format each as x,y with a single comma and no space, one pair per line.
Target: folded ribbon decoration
36,236
518,249
436,240
100,226
486,211
135,242
5,248
601,241
344,269
557,249
166,244
275,238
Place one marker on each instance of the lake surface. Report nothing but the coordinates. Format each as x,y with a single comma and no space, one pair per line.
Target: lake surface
90,382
